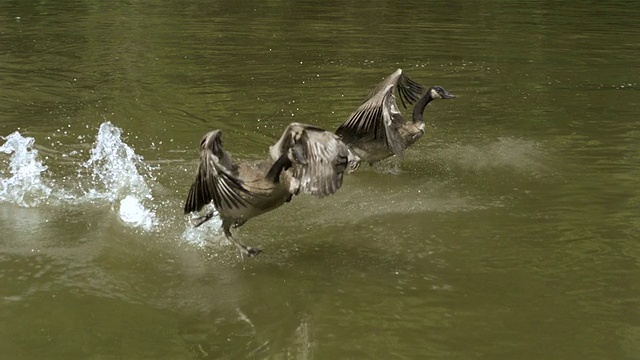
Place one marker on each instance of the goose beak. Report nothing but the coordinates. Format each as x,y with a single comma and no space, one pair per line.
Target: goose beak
448,95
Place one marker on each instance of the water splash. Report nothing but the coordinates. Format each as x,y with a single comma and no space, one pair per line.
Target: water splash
201,236
114,170
113,173
133,213
25,186
113,166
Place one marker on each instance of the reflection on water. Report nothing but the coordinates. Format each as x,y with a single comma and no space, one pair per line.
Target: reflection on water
510,229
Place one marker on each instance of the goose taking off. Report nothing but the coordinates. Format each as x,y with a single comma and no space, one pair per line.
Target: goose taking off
306,159
377,129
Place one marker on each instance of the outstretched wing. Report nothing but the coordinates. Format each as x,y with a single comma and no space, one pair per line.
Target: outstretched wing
318,158
215,182
379,115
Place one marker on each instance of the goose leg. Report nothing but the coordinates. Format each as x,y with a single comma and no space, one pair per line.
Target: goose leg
244,250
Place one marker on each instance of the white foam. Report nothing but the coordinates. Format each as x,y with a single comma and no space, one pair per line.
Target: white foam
134,214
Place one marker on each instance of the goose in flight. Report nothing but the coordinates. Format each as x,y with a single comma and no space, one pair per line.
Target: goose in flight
377,129
306,159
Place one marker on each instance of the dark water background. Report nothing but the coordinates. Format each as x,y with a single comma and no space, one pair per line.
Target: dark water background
511,231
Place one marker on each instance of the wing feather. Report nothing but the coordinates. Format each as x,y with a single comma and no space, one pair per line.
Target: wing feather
378,117
320,158
215,183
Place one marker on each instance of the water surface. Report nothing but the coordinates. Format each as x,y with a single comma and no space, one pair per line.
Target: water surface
509,231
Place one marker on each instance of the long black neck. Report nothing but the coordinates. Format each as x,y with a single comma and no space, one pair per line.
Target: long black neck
283,163
421,104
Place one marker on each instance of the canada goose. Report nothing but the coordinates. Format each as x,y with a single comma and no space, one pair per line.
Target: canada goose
377,129
305,159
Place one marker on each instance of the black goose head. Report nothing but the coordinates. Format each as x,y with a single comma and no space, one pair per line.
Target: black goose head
438,92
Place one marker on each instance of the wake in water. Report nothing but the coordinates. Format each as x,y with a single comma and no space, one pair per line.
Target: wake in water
114,173
521,155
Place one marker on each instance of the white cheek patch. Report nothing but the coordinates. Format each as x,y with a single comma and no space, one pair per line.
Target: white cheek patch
435,95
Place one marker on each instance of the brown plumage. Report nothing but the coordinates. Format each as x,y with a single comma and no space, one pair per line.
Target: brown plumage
306,159
377,129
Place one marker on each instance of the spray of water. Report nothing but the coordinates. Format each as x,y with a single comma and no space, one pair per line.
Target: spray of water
24,185
114,167
115,170
114,173
201,236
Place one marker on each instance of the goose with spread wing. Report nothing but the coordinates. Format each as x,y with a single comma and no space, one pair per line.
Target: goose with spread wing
377,129
306,159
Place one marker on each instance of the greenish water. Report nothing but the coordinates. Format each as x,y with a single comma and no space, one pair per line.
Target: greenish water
510,232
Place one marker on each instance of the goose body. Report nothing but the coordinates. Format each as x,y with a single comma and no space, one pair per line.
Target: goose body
377,129
306,159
